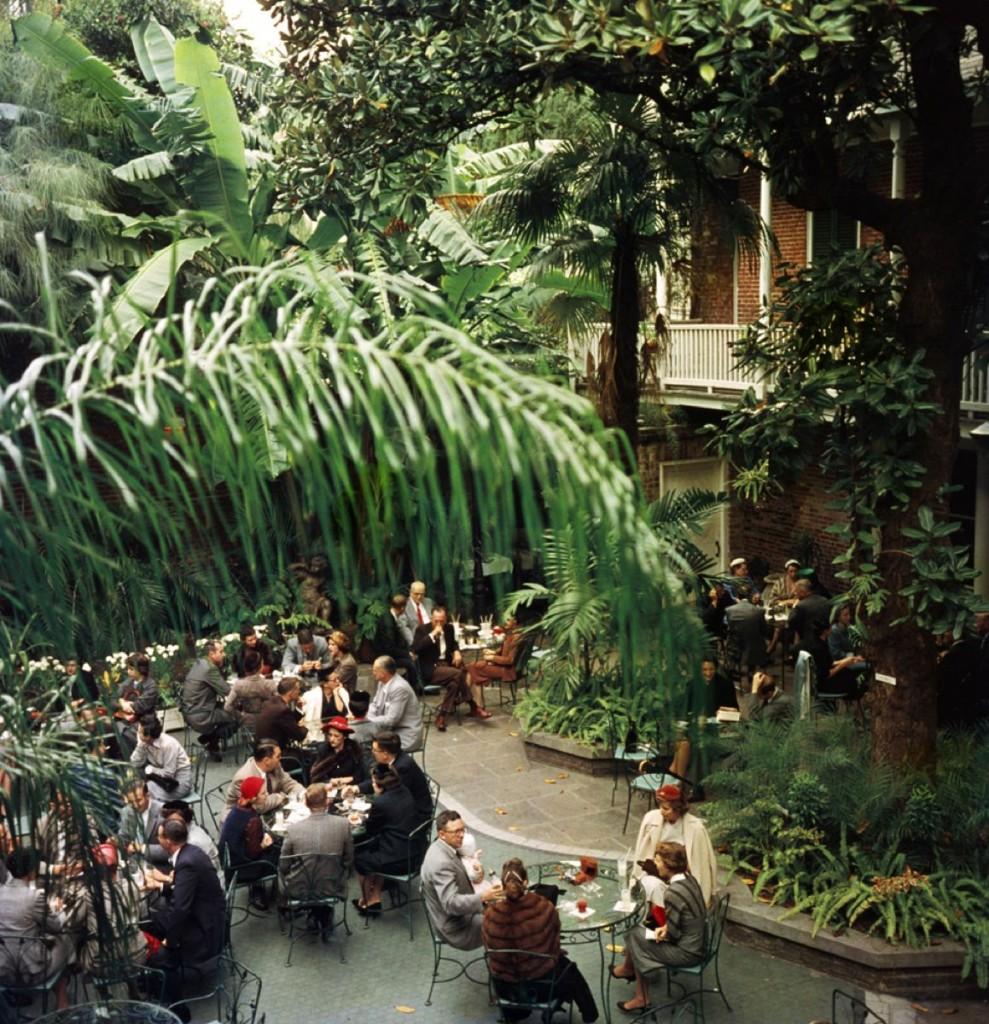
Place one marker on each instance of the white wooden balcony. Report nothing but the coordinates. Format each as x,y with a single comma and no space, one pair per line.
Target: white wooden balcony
700,369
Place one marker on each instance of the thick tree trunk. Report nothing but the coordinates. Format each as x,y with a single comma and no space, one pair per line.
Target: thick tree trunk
620,399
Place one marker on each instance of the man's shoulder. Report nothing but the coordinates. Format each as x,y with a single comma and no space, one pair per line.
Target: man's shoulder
246,770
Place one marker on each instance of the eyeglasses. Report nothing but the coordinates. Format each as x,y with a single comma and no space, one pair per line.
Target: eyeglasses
455,831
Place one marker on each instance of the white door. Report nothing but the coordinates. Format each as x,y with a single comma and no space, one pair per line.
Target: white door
708,475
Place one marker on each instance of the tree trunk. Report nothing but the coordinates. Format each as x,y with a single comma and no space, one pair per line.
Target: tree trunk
620,395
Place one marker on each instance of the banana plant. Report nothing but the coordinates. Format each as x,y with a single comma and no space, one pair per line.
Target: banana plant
191,176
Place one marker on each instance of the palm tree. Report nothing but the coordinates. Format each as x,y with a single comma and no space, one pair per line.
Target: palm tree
605,206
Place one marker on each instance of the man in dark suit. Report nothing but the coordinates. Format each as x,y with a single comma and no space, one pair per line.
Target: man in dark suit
386,749
441,663
279,719
810,614
139,819
393,637
191,925
747,633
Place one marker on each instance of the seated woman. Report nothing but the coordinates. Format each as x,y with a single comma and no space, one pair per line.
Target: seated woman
671,822
166,764
497,665
328,700
524,920
340,759
843,675
679,942
344,663
250,691
245,848
718,690
138,697
392,819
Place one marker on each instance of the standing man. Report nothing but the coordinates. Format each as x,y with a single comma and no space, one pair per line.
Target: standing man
305,655
393,637
203,692
192,924
440,662
454,908
395,706
419,608
747,634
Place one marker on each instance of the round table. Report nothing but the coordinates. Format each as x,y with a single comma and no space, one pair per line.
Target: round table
111,1011
605,916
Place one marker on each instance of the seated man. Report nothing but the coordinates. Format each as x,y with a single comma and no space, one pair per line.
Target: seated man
251,643
320,833
24,912
265,763
203,691
191,924
166,764
766,702
139,818
179,810
395,706
280,719
250,691
364,728
305,654
810,613
455,910
440,662
386,749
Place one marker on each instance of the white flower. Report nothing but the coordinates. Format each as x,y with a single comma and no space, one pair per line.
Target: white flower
86,667
229,638
261,629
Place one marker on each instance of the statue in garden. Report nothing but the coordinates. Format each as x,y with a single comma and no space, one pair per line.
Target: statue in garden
312,576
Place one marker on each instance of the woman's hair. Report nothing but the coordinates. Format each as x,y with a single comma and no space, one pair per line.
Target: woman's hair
141,663
674,856
385,776
514,879
341,640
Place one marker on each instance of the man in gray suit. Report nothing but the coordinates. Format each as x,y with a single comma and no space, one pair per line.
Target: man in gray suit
299,871
138,829
454,908
419,609
203,692
748,632
395,707
24,913
279,787
305,654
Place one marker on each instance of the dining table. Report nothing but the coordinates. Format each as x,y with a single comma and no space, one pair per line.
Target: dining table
111,1011
355,811
612,909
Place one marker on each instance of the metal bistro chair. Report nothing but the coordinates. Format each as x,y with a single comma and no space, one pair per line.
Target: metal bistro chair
124,979
538,994
846,1009
622,759
459,968
239,994
416,850
26,967
523,655
231,875
215,800
714,926
195,798
314,884
428,713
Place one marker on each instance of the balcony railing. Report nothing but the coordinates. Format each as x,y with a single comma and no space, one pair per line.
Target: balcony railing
700,365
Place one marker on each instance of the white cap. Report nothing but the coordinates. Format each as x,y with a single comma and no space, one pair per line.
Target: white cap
736,561
789,562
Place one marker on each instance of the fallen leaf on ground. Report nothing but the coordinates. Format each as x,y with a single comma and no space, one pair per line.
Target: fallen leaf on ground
513,828
500,810
919,1008
406,1009
614,949
563,775
513,734
520,769
550,782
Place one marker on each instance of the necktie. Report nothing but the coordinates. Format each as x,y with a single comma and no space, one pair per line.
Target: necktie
267,783
422,618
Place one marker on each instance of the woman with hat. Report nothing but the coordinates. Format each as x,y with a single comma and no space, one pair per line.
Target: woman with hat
339,760
671,822
245,848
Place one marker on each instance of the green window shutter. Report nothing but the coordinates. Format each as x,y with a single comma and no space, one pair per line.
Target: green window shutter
831,232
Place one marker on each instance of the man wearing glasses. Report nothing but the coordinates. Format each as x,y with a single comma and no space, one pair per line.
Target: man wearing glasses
453,906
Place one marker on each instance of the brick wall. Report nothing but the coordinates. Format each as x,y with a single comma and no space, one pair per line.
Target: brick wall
711,270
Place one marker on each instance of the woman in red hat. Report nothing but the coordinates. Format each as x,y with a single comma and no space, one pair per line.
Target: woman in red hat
672,822
245,847
339,760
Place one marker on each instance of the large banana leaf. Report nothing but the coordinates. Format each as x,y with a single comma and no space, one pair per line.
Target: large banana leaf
144,168
217,182
154,47
144,291
445,231
48,42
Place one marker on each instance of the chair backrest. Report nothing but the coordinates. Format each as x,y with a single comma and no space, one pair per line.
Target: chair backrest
313,877
124,979
434,792
239,994
522,655
714,925
418,842
215,800
535,993
847,1009
25,960
199,762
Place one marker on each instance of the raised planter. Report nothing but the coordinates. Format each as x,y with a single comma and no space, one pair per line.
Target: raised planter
566,753
173,720
873,964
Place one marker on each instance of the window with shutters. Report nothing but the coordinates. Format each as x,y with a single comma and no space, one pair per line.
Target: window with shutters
831,233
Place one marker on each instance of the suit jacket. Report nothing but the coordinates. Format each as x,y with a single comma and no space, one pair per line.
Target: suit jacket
747,632
247,696
143,694
415,781
202,691
412,617
133,830
279,787
294,656
809,617
195,918
427,650
393,636
24,912
395,706
453,906
281,723
319,833
390,822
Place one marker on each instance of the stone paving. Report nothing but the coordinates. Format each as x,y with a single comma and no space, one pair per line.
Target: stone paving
514,810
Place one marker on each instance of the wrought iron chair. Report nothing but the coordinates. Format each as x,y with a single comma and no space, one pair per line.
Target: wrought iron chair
460,968
314,884
714,926
415,851
537,994
847,1009
26,968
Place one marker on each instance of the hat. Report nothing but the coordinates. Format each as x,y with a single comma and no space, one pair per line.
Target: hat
339,723
105,854
669,793
789,562
737,561
251,786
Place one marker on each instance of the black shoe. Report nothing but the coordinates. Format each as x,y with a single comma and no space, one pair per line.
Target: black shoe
259,901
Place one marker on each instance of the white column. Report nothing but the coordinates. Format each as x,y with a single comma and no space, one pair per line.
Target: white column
765,247
661,293
980,554
898,175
